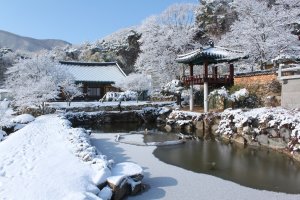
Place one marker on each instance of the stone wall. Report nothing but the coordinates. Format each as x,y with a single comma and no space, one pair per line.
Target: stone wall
263,84
250,80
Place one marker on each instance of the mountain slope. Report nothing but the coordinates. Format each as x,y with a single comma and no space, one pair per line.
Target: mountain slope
17,42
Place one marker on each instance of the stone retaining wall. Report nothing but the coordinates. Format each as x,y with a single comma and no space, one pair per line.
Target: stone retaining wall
253,131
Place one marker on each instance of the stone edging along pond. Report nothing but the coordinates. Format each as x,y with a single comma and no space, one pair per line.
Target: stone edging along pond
273,128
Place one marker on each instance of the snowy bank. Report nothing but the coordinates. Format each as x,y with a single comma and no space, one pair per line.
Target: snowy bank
36,163
47,159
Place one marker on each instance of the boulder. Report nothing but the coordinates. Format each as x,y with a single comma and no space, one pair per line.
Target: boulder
168,128
199,125
125,180
296,156
101,175
188,128
247,130
271,101
285,133
105,193
119,186
127,168
214,128
272,132
277,143
2,135
199,133
263,139
136,186
239,139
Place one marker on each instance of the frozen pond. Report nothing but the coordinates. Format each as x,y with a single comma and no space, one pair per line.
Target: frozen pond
252,167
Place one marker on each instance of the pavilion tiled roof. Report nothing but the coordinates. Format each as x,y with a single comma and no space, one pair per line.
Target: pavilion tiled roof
211,54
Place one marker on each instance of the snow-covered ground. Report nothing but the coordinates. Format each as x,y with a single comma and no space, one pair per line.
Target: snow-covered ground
37,162
171,182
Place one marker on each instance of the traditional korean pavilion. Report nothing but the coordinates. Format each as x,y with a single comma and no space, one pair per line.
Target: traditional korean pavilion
206,56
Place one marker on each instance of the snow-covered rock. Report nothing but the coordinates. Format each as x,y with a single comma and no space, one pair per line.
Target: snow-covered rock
105,193
126,179
101,176
23,119
128,169
2,134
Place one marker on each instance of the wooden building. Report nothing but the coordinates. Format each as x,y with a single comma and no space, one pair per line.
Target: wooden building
206,56
96,78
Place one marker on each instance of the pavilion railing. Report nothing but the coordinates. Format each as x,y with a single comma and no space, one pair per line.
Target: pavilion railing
211,79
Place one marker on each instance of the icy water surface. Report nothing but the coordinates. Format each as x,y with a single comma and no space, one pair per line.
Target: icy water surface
252,167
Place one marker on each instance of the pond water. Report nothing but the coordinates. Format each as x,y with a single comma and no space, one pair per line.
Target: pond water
252,167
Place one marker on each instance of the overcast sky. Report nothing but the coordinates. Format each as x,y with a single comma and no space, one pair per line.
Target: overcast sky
76,21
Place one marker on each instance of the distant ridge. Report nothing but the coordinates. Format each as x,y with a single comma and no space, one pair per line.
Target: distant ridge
16,42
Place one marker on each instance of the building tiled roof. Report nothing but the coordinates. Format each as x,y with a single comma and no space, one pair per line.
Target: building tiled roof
255,73
108,72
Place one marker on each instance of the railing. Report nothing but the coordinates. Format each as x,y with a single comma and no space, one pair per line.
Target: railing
211,79
288,73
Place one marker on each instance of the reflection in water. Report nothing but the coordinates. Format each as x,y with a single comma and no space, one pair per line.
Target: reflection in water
255,168
251,167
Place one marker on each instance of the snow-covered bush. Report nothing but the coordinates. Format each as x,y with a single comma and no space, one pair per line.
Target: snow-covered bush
121,96
112,96
222,92
238,95
173,87
128,96
221,98
136,82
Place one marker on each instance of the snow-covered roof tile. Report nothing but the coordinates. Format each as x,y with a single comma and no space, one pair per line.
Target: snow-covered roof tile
94,71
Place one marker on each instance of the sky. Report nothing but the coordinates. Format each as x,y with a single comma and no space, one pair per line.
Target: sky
76,21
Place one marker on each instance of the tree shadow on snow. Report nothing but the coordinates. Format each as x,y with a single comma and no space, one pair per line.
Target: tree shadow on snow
154,185
110,149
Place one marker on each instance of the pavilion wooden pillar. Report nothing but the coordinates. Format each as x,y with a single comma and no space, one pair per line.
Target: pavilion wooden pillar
231,72
191,87
215,72
205,87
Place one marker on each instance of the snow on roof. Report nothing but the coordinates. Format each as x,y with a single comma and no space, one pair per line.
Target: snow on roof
211,54
286,57
94,71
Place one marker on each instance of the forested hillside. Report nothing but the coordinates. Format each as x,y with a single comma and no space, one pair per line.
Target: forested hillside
263,29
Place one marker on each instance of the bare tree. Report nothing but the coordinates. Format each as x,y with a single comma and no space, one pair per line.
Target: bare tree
34,81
